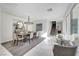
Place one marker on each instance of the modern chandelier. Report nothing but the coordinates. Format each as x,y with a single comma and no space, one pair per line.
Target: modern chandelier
28,21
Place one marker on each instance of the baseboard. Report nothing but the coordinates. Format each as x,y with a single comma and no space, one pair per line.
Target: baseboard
6,42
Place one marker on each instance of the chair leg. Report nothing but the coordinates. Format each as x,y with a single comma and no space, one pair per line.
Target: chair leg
32,39
29,39
15,42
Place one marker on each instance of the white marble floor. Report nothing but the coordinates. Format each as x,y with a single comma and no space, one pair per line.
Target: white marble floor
42,49
4,52
45,48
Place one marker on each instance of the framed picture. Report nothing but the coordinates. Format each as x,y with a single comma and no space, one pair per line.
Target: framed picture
39,27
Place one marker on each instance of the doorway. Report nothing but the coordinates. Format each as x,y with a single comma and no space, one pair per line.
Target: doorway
53,28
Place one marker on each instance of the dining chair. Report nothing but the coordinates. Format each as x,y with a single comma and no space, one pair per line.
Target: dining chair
28,37
34,34
31,36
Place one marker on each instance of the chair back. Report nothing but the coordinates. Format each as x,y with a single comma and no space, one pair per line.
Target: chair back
31,35
64,51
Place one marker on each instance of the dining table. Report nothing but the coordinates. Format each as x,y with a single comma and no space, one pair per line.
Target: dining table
22,37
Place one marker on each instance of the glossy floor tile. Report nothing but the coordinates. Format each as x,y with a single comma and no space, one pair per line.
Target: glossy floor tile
4,52
45,48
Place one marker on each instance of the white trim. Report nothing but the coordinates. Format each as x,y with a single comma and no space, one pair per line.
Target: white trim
70,9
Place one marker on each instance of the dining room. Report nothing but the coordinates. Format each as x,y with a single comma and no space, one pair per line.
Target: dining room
24,37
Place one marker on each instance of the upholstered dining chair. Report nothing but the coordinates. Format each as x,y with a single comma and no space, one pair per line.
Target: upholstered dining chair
31,36
28,37
14,39
64,51
34,34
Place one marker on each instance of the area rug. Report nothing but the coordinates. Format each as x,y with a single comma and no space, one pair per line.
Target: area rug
22,47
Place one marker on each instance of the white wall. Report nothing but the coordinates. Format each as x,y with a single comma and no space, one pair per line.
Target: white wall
64,26
47,25
68,24
7,21
44,25
78,18
59,25
67,20
30,27
7,26
0,25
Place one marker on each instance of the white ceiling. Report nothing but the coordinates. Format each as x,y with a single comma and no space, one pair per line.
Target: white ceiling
37,10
